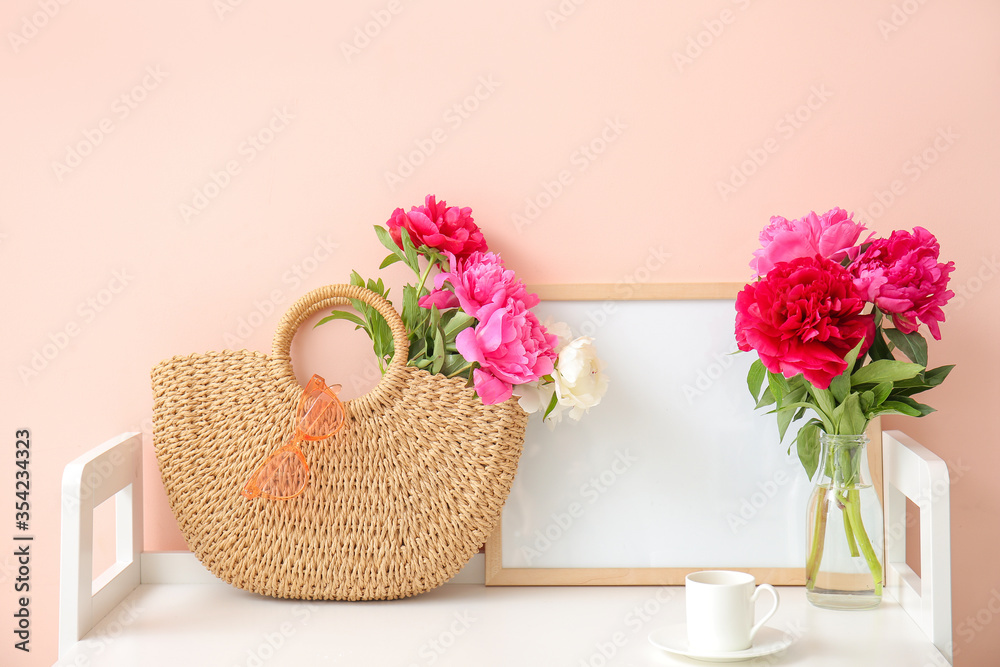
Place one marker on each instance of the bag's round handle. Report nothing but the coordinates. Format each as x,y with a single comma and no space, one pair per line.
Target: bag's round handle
336,295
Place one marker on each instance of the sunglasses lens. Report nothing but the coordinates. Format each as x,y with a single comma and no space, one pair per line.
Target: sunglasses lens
321,414
284,474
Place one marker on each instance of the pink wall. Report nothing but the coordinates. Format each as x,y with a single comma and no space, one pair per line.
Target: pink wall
888,109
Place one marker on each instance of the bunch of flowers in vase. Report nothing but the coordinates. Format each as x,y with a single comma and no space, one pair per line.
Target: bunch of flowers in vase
830,314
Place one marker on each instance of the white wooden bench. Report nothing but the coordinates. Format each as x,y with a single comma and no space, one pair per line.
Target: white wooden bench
165,608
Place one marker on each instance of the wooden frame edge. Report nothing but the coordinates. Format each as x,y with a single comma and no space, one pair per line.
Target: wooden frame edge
635,291
498,575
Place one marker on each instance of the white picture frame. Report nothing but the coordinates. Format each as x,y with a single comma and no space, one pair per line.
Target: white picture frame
674,472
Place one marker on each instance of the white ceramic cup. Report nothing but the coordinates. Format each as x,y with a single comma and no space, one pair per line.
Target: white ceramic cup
720,610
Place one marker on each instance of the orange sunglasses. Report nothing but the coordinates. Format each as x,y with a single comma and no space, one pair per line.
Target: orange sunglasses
284,473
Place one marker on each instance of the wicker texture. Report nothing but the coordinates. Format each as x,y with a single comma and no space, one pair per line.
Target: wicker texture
397,501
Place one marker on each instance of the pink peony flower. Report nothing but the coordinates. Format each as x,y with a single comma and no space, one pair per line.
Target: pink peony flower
439,226
803,317
477,281
903,277
511,347
833,235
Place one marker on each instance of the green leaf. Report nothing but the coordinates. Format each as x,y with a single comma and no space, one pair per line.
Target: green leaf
912,345
885,370
411,308
897,408
766,399
881,392
386,238
852,357
879,349
841,386
454,322
377,328
852,420
755,378
409,251
453,363
936,376
922,409
778,386
438,355
418,348
824,399
786,415
867,401
389,261
825,419
552,405
784,419
377,286
435,317
343,315
807,446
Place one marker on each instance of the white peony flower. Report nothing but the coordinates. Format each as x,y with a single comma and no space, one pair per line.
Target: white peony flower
561,331
579,382
536,397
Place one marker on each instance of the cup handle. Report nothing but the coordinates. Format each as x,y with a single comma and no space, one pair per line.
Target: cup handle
770,612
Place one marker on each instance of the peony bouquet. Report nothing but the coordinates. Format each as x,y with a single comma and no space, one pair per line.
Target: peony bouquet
828,313
468,316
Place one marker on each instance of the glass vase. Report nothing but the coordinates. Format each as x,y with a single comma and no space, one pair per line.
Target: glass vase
844,550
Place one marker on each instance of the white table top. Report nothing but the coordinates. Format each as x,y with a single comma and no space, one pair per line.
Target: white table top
467,624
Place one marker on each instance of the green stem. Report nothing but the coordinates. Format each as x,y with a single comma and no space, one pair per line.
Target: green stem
818,540
852,513
852,543
423,277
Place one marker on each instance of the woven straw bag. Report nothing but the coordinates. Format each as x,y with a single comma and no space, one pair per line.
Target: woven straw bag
397,501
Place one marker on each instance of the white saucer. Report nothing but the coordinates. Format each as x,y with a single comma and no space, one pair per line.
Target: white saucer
673,639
